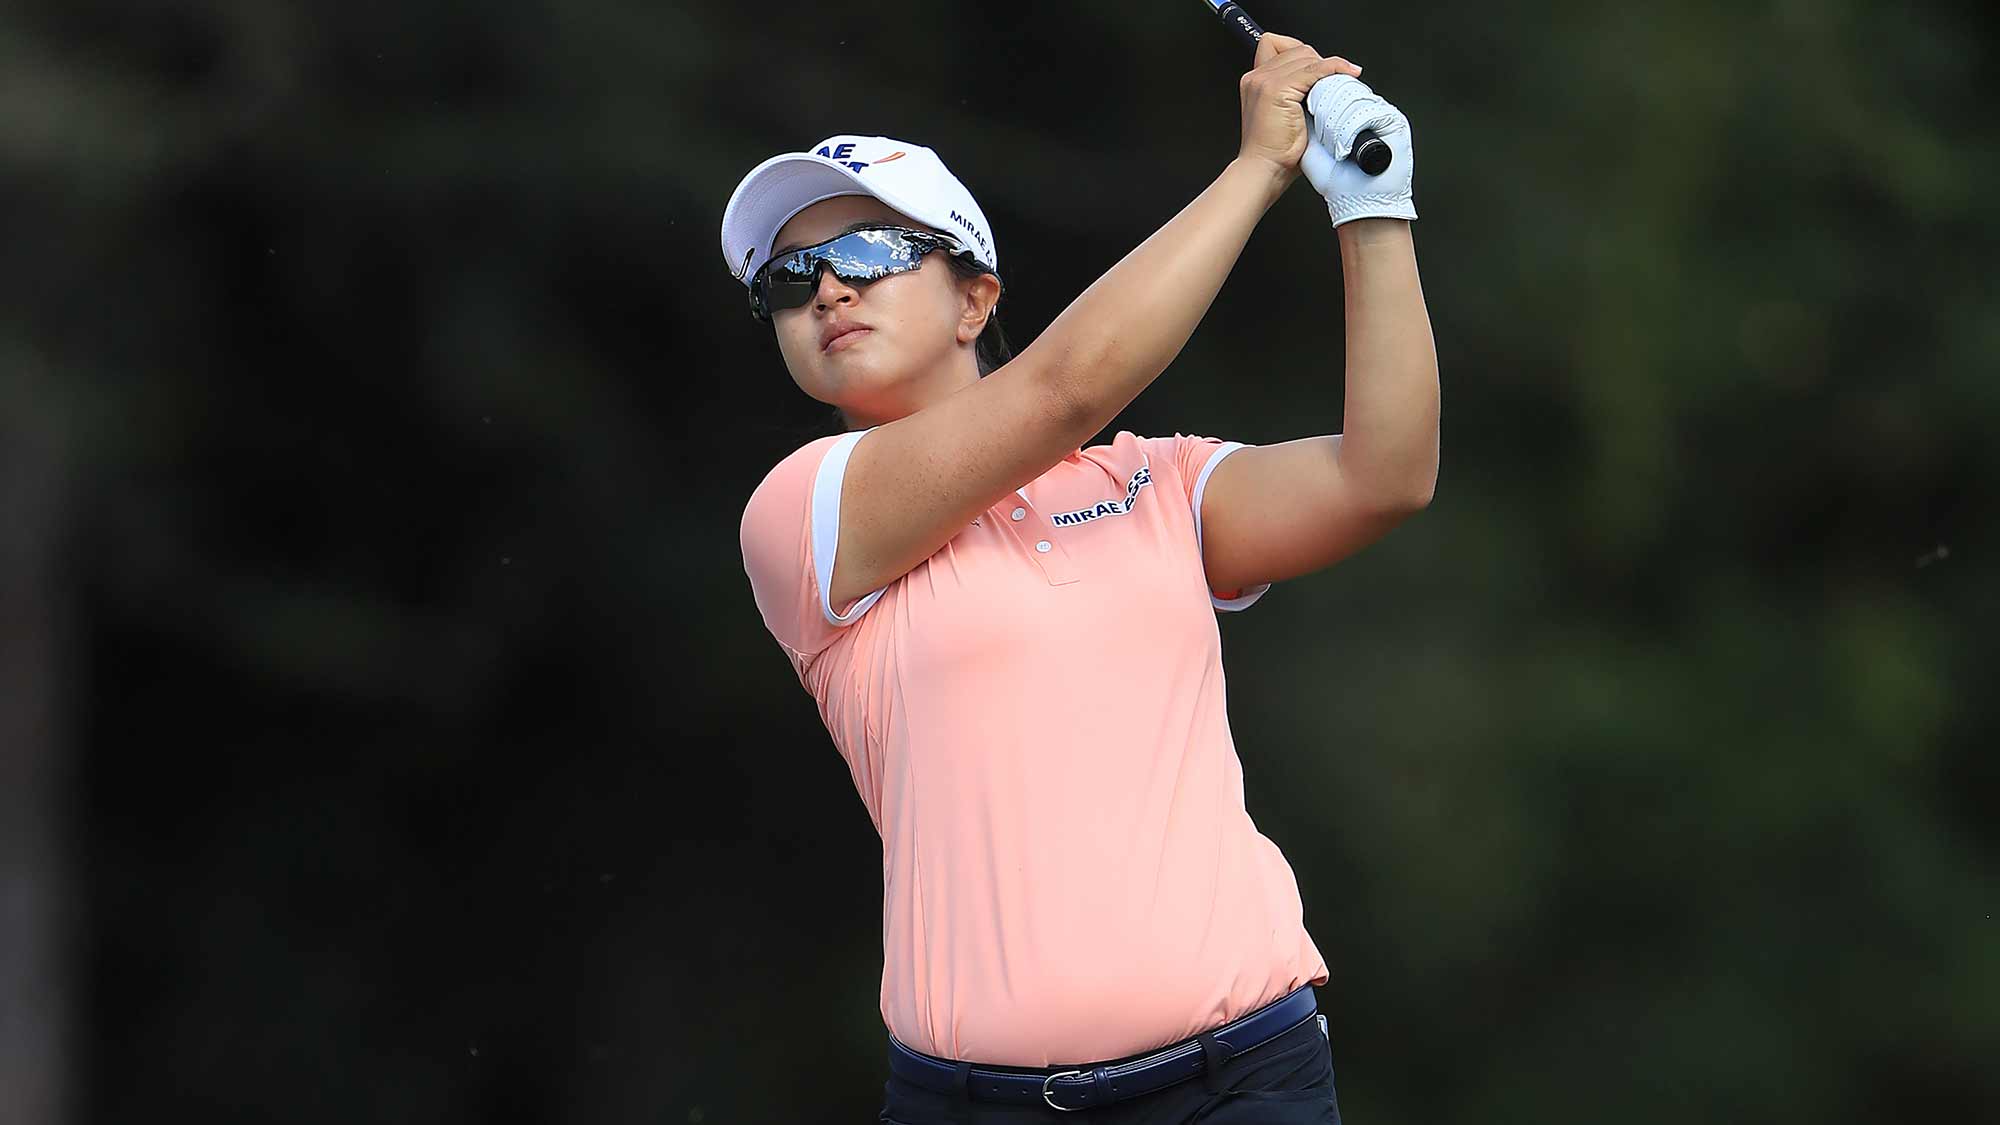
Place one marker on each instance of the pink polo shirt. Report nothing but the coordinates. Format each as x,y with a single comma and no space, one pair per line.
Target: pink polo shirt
1035,720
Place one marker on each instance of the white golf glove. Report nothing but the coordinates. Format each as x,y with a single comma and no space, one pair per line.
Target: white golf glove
1341,106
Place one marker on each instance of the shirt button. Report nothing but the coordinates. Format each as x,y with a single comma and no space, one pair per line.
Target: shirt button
1020,513
1043,546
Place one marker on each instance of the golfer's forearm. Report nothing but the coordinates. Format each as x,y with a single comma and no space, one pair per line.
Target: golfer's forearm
1129,325
1389,442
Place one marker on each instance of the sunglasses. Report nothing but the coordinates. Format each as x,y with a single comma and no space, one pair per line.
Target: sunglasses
789,280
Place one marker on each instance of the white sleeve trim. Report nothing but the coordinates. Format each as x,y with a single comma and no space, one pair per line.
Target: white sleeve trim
826,527
1249,596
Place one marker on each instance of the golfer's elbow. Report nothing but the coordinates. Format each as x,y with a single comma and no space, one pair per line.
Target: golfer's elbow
1416,499
1422,490
1391,489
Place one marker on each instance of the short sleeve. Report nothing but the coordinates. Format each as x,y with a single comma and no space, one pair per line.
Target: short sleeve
791,529
1193,458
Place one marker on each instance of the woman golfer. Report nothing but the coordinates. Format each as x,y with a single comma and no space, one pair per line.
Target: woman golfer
1012,638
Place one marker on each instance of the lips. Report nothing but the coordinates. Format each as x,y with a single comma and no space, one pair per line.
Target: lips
834,332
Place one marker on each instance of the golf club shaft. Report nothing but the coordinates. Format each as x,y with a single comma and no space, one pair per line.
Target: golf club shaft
1371,152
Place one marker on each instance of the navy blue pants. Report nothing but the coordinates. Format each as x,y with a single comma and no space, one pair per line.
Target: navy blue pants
1287,1081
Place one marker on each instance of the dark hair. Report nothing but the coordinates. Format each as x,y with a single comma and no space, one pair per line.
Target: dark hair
991,349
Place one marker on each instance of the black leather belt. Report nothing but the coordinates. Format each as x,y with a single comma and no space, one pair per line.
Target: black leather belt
1083,1086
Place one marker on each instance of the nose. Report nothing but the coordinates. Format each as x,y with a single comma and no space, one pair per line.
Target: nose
832,290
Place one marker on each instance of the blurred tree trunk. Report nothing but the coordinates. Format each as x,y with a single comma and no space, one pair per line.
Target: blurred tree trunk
33,899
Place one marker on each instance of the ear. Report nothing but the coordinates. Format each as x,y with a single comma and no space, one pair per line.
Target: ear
977,296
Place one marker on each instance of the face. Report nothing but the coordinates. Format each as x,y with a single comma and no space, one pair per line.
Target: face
920,326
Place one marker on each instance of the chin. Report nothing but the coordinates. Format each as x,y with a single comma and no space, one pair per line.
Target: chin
862,387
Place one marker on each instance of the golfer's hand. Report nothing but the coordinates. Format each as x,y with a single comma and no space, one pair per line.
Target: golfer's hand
1275,127
1341,107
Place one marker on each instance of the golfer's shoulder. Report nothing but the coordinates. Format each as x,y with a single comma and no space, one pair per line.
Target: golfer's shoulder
795,469
784,494
1123,444
1172,453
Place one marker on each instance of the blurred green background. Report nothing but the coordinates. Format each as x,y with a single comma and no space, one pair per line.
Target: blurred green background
389,732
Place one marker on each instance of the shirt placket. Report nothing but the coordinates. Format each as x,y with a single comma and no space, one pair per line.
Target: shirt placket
1032,531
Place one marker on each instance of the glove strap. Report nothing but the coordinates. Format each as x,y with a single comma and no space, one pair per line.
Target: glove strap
1348,208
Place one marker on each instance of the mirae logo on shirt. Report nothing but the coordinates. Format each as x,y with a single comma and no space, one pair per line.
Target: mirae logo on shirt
1140,479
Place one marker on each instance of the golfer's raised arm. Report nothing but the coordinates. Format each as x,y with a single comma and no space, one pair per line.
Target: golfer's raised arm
913,483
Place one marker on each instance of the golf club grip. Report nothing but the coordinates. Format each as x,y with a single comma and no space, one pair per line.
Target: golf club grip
1371,153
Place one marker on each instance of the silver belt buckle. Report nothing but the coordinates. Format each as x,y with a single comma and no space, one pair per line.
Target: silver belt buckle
1050,1080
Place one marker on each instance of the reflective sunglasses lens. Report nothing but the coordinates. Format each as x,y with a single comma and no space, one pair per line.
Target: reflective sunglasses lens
857,258
787,288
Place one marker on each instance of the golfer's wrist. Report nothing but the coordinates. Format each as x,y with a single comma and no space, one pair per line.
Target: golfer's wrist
1373,231
1264,177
